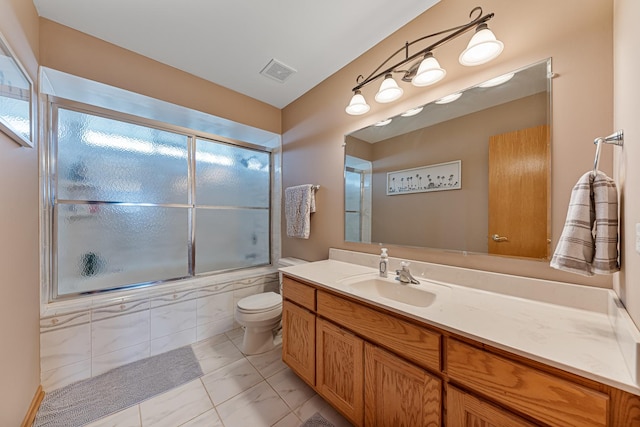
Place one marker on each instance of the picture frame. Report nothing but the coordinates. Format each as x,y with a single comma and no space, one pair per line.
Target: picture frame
17,98
436,177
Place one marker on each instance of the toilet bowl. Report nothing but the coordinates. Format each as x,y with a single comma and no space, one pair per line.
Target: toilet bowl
260,315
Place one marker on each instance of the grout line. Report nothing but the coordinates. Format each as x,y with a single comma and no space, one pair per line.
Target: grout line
139,414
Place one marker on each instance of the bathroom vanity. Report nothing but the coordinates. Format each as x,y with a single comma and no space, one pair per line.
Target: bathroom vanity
438,353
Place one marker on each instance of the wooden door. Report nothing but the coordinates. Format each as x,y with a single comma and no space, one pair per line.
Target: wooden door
298,340
340,370
519,193
465,410
398,393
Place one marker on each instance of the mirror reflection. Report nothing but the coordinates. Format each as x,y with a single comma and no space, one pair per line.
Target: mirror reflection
15,98
469,172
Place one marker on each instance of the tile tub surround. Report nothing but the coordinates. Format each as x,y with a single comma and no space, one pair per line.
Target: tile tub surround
80,339
578,329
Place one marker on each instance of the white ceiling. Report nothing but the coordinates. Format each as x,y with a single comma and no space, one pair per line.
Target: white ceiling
230,42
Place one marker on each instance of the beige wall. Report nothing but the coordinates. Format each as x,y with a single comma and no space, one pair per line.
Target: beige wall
19,267
73,52
627,165
446,219
569,31
39,41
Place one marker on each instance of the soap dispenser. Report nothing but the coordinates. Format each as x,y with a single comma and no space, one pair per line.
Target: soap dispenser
384,263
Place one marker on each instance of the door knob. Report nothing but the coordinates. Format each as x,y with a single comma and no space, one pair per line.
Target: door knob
497,238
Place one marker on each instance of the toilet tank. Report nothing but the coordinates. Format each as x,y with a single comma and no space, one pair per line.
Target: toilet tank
288,262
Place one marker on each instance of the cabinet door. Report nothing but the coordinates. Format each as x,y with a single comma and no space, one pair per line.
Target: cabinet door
340,370
398,393
465,410
299,340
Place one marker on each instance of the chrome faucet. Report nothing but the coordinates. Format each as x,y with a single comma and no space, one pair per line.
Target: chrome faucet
404,275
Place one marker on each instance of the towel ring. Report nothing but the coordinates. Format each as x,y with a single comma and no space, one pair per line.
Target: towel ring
616,138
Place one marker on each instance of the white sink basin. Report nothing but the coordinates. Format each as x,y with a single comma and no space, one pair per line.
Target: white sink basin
378,287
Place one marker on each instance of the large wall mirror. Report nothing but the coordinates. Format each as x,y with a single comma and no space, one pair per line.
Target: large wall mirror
469,175
16,98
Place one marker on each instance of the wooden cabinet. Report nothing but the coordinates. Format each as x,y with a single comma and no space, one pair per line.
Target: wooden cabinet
413,342
466,410
339,369
380,368
398,393
298,340
546,398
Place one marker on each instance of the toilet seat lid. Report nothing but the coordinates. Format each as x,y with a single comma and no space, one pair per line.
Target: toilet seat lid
260,302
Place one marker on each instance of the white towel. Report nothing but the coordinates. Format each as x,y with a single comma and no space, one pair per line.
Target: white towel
589,241
299,204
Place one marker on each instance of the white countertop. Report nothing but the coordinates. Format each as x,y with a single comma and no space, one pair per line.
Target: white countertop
586,342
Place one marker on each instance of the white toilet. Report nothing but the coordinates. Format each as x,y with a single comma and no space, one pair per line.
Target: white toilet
260,316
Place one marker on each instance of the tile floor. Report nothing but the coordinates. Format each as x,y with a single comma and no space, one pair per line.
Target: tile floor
235,391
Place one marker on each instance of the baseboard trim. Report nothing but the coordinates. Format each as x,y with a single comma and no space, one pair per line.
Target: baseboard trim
33,408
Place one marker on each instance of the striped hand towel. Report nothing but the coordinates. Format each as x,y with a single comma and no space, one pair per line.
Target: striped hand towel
589,241
605,199
299,203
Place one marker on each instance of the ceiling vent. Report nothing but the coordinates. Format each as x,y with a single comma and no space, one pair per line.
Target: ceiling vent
277,71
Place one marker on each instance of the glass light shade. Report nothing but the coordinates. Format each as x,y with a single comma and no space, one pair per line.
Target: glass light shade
497,80
449,98
483,47
412,112
429,72
383,122
358,105
389,90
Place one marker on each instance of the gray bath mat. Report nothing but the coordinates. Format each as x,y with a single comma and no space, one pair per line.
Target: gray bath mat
317,420
88,400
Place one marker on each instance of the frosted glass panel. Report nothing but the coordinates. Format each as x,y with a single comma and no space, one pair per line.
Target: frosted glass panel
108,160
352,191
110,246
231,238
352,226
14,112
231,176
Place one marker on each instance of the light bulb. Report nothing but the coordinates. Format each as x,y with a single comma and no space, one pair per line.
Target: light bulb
389,90
449,98
412,112
483,47
358,105
383,122
497,80
429,72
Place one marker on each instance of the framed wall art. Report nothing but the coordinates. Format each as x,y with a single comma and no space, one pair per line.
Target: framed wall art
438,177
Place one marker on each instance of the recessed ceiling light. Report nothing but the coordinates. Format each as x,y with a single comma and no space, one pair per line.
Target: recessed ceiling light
449,98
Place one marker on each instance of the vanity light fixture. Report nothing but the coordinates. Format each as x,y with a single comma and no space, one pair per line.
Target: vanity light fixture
422,68
412,112
449,98
497,80
383,122
358,105
389,90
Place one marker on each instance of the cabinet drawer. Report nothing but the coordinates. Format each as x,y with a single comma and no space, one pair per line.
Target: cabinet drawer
413,342
554,401
299,293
